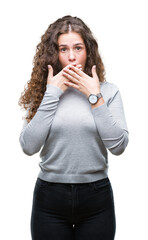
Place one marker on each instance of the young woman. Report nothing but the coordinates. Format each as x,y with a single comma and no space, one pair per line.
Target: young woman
75,116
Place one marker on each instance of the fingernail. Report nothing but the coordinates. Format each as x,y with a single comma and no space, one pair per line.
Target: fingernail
49,66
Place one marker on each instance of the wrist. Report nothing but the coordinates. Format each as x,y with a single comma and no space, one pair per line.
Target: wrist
93,92
94,98
98,104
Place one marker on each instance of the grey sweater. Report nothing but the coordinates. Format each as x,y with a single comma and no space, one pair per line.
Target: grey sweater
74,137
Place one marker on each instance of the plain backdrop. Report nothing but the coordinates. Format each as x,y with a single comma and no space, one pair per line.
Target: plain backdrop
120,27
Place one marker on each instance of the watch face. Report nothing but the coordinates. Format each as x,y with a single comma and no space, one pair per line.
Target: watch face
93,99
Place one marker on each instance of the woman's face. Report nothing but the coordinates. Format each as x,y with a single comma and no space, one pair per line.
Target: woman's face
72,49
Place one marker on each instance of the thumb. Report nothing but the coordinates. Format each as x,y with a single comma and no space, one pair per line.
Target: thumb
50,71
94,73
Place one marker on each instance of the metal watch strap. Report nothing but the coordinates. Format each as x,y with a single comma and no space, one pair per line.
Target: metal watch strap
99,95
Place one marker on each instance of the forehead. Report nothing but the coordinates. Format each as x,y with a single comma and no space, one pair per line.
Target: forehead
70,38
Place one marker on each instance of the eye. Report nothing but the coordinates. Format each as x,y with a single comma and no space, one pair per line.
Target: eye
78,48
63,49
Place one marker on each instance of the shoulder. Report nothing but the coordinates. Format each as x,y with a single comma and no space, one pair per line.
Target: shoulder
107,86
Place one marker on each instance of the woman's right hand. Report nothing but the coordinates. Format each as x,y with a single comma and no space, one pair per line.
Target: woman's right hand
58,80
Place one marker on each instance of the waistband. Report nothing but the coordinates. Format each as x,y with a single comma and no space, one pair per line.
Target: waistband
95,184
73,178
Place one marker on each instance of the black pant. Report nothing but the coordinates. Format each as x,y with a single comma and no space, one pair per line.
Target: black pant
73,211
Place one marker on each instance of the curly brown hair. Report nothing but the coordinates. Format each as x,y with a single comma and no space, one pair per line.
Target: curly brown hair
47,54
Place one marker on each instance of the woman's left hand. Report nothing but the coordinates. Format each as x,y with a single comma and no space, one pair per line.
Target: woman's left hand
81,81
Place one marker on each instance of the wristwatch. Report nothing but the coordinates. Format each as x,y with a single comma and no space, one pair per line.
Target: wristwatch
93,99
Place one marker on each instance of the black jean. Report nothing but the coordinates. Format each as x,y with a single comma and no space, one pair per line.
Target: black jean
73,211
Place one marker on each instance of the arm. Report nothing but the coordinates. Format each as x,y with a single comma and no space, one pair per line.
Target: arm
34,133
109,117
111,124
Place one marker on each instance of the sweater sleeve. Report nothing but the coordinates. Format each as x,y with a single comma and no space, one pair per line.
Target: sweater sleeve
35,132
111,124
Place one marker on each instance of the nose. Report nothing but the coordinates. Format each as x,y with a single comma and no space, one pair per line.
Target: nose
71,56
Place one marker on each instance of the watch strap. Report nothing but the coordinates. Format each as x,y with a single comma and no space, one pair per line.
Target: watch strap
99,95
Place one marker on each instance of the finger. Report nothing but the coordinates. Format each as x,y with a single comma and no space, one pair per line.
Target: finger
70,78
79,66
73,65
94,73
78,71
50,71
70,84
71,75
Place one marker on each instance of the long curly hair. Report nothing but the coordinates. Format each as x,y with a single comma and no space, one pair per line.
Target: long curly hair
47,54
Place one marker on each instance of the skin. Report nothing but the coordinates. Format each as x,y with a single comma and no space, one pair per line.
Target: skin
72,49
73,56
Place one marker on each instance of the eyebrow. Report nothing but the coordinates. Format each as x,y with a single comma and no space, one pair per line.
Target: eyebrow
64,45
